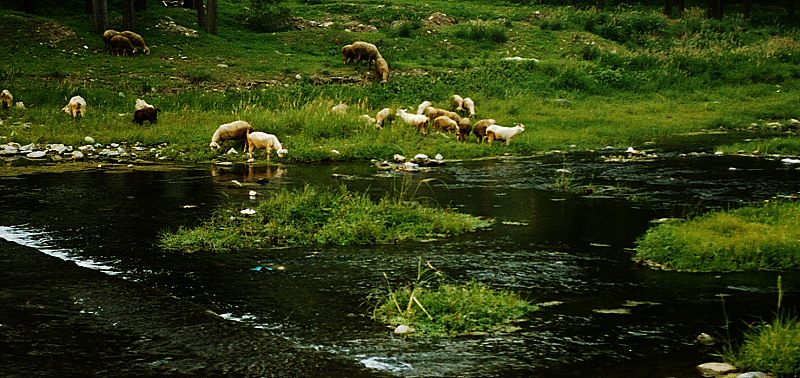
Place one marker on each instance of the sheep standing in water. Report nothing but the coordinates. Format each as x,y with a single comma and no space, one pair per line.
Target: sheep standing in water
266,141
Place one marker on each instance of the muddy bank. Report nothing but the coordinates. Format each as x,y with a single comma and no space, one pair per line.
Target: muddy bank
59,319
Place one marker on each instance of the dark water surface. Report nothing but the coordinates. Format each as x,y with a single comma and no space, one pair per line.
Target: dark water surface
564,226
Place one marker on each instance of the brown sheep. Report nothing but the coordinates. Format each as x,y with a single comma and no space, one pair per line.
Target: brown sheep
464,128
146,114
432,113
382,69
137,41
444,124
360,50
349,54
107,35
121,44
480,128
6,98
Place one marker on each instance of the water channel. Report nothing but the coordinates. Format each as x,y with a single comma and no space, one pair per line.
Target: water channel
564,226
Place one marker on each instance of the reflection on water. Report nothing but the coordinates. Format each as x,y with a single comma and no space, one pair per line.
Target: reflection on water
567,245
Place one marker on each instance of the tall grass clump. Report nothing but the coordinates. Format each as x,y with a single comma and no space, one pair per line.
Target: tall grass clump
770,346
319,216
750,238
430,306
481,31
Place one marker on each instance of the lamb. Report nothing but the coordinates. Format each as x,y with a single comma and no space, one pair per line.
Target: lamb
230,131
503,133
359,51
382,116
469,106
136,40
433,113
107,35
464,128
418,120
121,44
76,106
444,124
6,98
382,69
146,114
266,141
480,128
424,105
458,103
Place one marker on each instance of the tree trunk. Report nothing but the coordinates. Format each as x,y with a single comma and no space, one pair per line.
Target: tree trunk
201,13
140,5
212,16
668,4
100,12
681,7
127,14
747,9
715,9
790,9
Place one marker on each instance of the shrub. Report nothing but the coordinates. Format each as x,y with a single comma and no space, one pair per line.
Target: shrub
481,31
268,16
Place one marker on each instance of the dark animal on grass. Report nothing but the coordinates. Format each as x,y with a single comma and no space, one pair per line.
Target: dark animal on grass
146,114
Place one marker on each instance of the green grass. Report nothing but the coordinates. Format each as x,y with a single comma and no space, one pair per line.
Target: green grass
749,238
313,216
433,307
632,76
771,347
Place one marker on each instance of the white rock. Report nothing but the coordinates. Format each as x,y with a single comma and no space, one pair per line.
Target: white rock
36,154
421,157
77,155
790,161
20,105
706,339
403,330
335,152
410,167
232,151
253,193
399,158
248,211
752,374
438,157
715,369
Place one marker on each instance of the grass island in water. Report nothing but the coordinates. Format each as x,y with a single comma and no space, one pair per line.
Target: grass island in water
318,216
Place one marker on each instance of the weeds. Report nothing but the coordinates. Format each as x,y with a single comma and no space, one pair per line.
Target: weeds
433,307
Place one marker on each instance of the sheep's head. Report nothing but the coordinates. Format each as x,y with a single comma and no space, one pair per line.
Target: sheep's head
214,146
282,152
521,126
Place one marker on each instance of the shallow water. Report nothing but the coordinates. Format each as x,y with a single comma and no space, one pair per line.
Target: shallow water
564,224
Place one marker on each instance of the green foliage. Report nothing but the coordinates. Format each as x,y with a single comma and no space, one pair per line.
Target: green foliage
318,216
773,346
267,16
433,307
749,238
481,31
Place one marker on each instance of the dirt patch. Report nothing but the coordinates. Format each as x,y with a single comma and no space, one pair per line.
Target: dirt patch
439,20
171,26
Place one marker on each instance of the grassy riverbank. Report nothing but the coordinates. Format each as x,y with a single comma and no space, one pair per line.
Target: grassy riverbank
629,75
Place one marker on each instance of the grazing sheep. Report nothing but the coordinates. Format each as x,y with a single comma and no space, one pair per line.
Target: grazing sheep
469,106
266,141
230,131
418,120
464,128
146,114
480,128
503,133
382,69
76,106
349,54
444,124
136,40
141,104
433,113
107,35
121,45
340,109
458,103
360,50
382,116
6,98
424,105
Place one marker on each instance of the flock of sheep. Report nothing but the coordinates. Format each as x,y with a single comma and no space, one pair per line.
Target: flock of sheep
124,43
458,121
427,117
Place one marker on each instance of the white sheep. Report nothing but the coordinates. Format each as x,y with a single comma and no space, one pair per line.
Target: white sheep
469,106
266,141
458,103
503,133
383,116
424,105
417,120
230,131
6,98
340,109
76,106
